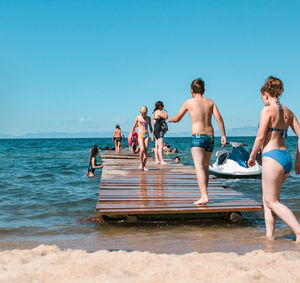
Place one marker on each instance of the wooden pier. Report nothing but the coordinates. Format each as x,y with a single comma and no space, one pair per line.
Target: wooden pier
164,192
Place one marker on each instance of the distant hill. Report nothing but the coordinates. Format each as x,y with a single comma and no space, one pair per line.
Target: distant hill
233,132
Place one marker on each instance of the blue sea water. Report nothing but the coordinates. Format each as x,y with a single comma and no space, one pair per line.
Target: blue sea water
45,197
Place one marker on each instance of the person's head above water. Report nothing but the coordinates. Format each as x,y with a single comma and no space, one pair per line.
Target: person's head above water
197,86
158,106
176,159
94,151
271,90
143,111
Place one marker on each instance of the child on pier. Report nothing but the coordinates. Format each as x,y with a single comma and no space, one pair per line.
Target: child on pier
276,159
142,122
201,110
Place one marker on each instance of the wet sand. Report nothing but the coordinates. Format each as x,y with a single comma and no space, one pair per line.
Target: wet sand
50,264
204,237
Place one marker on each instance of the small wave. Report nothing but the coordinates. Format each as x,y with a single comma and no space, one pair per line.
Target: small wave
26,176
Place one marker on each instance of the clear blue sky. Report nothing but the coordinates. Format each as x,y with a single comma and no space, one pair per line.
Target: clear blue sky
77,66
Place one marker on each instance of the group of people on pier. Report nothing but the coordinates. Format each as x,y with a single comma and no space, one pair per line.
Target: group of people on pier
276,159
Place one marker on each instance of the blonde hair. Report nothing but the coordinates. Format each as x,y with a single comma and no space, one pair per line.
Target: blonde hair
144,109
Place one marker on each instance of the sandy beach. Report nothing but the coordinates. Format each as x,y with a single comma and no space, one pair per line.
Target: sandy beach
50,264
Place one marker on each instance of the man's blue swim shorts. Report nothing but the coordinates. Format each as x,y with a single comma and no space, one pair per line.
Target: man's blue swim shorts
203,141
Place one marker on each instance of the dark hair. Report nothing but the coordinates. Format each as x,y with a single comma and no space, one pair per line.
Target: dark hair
177,157
197,86
157,105
168,146
117,126
273,86
94,151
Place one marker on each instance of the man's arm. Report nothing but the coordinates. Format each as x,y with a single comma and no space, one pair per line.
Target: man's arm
180,114
220,122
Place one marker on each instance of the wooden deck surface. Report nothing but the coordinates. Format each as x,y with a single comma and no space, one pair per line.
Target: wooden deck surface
170,189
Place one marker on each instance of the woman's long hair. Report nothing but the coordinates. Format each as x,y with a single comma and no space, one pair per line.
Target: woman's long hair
94,151
158,104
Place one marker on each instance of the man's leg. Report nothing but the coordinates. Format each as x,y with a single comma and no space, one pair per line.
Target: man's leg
199,158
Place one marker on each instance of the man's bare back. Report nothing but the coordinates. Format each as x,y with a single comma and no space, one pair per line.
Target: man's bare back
200,110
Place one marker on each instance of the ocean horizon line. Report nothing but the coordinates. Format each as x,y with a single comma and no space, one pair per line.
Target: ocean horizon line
247,131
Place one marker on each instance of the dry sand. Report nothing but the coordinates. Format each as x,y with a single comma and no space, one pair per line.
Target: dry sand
50,264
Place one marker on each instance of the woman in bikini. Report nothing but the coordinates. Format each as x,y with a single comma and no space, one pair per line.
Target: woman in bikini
276,159
160,128
142,122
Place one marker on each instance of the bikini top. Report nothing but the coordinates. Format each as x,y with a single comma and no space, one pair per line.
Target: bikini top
142,123
283,132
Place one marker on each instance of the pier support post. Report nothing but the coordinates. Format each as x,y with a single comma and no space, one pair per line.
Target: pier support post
132,219
234,217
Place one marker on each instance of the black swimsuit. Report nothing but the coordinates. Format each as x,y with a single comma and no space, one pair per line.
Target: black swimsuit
160,128
91,169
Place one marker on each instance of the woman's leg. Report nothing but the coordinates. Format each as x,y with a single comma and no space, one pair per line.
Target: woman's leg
160,151
142,149
270,216
272,180
145,153
156,152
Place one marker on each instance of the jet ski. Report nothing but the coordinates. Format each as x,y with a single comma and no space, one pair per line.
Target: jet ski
233,163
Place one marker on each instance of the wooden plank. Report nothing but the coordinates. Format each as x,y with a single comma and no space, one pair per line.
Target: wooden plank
171,189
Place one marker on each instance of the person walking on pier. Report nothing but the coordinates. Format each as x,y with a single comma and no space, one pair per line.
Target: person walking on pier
160,128
201,110
142,122
117,138
276,159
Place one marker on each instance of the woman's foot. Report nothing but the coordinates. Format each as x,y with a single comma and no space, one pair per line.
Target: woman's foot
140,166
270,237
157,162
202,200
164,163
298,239
145,169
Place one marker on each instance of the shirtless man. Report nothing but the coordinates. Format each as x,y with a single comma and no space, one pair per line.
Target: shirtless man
117,138
201,110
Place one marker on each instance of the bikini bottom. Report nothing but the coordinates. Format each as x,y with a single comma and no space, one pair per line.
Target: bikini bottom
143,136
283,157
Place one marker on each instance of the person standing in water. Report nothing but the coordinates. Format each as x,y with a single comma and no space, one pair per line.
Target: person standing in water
160,128
93,162
142,122
201,110
117,138
276,159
